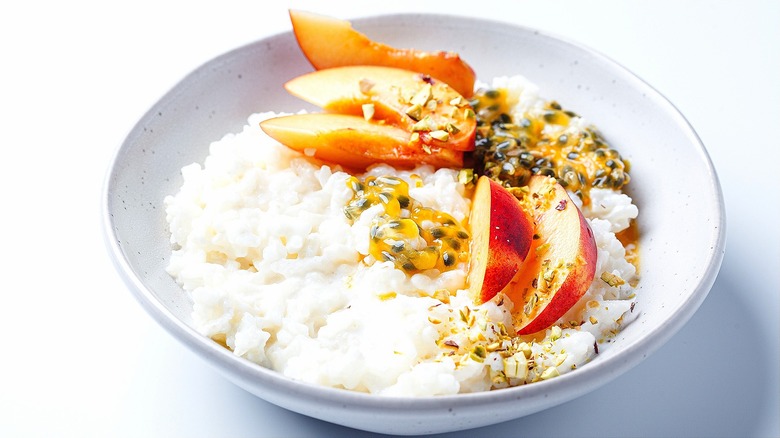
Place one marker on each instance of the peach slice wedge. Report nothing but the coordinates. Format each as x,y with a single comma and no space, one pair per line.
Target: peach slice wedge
561,263
434,114
501,238
353,142
330,42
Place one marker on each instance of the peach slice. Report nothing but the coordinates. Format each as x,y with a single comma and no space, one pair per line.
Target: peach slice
435,114
329,42
354,142
501,238
562,260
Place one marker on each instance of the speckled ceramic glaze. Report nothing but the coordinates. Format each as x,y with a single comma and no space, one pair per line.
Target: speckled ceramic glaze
681,220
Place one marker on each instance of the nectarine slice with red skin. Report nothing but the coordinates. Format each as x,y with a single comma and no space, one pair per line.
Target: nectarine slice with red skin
438,114
501,238
561,263
353,142
330,42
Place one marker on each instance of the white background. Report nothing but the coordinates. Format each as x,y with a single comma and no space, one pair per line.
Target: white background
79,355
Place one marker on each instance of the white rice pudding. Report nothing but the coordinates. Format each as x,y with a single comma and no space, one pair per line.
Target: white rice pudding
281,276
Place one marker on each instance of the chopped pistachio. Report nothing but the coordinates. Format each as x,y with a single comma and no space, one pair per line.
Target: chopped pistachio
555,333
457,101
525,348
529,306
493,347
464,314
425,124
415,112
422,96
368,111
541,249
450,344
549,373
516,366
612,279
483,325
498,378
365,85
479,353
548,275
519,192
440,135
466,176
442,295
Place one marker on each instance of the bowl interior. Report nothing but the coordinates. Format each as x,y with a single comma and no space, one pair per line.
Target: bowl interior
673,182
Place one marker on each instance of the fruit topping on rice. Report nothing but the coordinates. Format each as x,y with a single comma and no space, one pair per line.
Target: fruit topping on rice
424,234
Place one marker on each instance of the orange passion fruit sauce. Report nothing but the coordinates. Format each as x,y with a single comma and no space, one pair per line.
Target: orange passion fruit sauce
509,149
413,237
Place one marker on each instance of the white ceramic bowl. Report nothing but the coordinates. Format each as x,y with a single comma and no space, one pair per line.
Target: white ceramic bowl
673,182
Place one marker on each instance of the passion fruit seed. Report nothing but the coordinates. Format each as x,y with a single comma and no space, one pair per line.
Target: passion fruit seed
510,150
413,237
